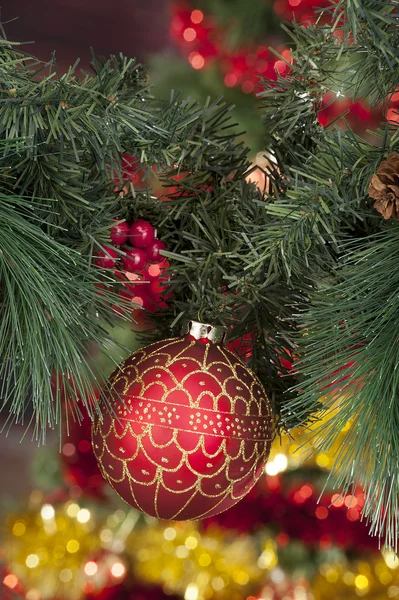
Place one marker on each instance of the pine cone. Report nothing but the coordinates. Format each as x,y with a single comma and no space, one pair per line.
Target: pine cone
384,188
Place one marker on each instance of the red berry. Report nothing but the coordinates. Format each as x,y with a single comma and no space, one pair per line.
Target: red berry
142,298
153,251
119,233
106,258
141,233
135,260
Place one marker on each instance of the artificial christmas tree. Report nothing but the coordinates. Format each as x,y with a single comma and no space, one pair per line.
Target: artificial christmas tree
301,273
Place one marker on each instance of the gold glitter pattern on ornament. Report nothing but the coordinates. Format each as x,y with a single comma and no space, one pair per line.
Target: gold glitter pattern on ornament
190,420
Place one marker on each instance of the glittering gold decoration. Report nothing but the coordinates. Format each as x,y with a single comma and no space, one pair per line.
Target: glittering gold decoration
376,578
281,586
196,565
296,449
55,551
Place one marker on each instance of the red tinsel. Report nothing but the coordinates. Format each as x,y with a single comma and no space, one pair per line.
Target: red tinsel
297,513
132,591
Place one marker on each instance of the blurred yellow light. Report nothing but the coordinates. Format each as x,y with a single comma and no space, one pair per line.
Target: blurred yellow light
300,593
19,528
393,591
281,462
391,560
349,578
191,592
65,575
322,460
217,584
36,497
271,468
32,561
58,551
204,560
73,546
47,512
83,515
118,569
169,534
42,554
118,546
33,595
73,509
120,515
241,577
91,568
181,552
106,536
385,577
361,582
277,575
267,559
143,554
191,542
332,575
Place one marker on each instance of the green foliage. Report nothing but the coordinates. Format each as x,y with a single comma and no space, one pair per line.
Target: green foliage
63,137
351,346
335,249
306,268
169,71
372,26
217,273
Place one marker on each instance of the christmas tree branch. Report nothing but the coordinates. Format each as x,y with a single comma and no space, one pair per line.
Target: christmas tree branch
333,248
50,310
64,138
356,375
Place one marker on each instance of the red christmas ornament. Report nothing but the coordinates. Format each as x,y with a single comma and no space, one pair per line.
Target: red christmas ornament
191,427
153,251
106,258
135,260
119,233
141,233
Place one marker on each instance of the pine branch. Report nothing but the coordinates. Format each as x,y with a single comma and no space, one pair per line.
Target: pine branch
208,228
356,375
50,311
65,135
327,243
370,39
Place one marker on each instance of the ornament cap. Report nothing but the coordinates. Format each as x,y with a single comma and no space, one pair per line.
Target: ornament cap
213,333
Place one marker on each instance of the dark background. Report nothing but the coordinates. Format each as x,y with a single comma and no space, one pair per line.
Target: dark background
70,27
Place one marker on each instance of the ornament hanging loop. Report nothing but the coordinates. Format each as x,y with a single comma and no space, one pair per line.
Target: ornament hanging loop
214,334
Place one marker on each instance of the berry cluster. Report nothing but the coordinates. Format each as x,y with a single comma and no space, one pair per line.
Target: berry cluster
142,265
144,247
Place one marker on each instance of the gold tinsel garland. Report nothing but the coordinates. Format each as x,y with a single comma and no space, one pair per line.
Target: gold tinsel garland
196,565
66,550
